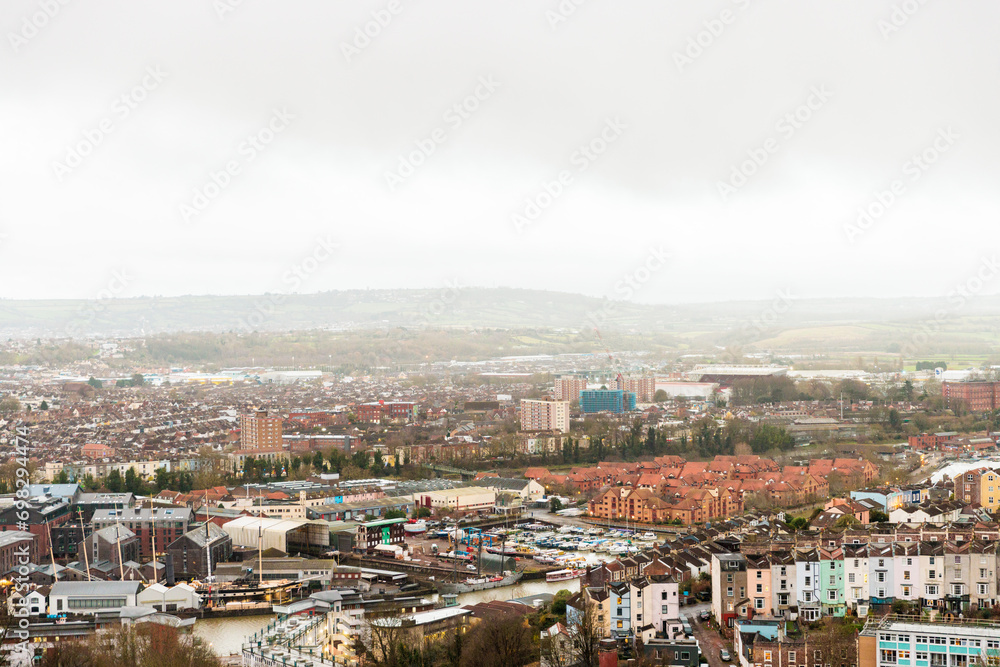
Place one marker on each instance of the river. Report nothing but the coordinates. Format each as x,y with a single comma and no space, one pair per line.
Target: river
226,635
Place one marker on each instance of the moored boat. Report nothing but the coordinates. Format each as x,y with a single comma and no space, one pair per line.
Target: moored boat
564,575
480,583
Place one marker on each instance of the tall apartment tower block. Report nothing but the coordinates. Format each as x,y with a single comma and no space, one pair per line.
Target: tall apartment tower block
544,415
258,430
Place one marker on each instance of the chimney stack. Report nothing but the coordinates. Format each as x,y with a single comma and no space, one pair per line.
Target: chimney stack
608,653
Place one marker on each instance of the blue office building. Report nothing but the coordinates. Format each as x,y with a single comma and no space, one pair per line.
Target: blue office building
607,400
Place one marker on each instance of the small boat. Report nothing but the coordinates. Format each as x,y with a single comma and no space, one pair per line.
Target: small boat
564,575
480,583
503,551
415,528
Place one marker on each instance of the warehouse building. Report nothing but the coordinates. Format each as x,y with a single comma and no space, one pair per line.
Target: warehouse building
290,536
462,499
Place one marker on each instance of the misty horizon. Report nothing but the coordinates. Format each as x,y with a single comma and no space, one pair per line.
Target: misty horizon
709,153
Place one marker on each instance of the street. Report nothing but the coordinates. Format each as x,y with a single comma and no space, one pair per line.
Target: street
709,640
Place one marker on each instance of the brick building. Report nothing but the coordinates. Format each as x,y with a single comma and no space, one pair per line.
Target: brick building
168,524
568,388
259,430
379,410
973,396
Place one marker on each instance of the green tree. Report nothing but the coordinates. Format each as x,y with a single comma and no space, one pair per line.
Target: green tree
44,405
908,390
62,477
878,516
95,383
113,482
660,396
133,483
162,479
138,380
895,421
555,504
89,483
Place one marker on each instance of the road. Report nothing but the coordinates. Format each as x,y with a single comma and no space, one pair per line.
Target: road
709,639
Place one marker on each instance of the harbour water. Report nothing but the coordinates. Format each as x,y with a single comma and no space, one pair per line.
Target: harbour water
226,635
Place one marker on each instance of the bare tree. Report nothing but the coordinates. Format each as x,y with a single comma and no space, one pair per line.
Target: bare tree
836,642
556,650
586,630
503,641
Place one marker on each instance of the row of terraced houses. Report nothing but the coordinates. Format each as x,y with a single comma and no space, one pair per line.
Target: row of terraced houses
668,488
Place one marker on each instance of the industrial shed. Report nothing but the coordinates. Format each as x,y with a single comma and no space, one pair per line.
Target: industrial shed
287,535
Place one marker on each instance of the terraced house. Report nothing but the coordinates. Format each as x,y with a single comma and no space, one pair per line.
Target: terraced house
831,581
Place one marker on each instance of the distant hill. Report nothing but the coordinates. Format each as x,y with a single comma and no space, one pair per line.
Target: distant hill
875,324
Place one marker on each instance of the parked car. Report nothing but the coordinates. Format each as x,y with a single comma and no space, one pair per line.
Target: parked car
704,615
724,655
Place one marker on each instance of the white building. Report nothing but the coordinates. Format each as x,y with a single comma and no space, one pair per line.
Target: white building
891,641
656,607
92,597
170,598
807,585
856,591
463,499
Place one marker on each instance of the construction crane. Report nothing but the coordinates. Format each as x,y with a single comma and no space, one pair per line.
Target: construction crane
614,364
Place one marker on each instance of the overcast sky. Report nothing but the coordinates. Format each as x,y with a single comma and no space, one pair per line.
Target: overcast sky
739,138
